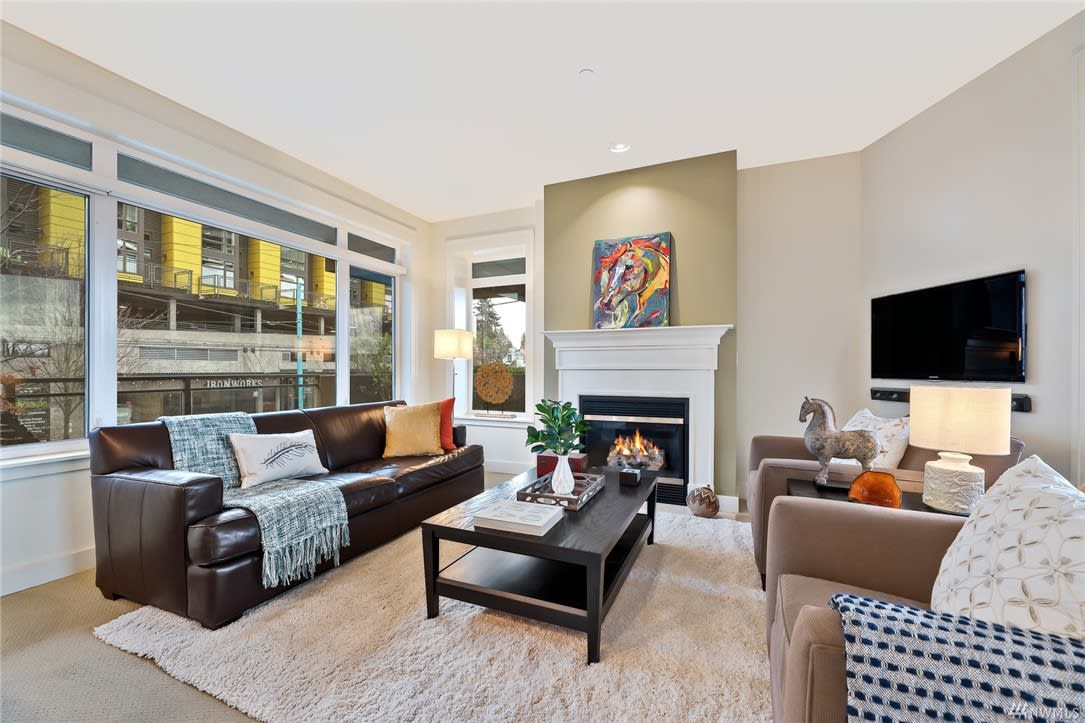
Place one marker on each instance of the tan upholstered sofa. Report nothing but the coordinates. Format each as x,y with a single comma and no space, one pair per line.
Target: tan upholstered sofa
817,548
774,460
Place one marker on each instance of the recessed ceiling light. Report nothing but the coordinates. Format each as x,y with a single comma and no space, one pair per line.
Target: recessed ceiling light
586,73
619,147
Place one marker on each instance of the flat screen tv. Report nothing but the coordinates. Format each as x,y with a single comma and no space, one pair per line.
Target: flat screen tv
971,330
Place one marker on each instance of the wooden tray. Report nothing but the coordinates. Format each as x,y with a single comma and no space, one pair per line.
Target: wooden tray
585,486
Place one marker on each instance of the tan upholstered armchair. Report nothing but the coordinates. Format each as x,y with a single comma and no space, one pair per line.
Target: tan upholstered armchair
817,548
775,460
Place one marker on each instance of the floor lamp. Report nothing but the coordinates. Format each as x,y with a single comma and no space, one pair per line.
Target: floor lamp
453,344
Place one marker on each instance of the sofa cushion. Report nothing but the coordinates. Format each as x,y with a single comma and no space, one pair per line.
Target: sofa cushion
891,433
417,473
351,434
236,532
412,430
1019,558
268,457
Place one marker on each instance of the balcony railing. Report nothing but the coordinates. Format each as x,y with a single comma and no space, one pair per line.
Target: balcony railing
24,257
155,276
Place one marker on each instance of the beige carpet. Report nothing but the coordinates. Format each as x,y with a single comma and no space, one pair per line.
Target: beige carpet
685,639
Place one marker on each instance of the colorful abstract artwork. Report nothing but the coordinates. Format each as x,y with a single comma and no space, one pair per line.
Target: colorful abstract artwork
631,282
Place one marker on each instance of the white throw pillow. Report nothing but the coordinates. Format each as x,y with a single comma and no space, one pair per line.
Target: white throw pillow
1020,558
892,434
269,457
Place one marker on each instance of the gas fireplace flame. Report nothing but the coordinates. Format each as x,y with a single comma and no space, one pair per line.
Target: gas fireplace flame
635,451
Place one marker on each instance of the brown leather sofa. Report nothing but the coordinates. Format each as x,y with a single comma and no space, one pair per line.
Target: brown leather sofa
163,538
774,460
820,547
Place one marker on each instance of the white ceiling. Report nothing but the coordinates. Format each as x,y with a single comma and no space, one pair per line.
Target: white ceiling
453,109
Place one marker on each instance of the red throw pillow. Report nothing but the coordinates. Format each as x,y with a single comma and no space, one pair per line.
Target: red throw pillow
446,424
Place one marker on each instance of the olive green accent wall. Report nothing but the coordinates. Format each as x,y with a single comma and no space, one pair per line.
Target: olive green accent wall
694,199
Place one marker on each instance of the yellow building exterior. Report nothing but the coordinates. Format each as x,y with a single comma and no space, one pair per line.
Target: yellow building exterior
265,267
182,244
63,220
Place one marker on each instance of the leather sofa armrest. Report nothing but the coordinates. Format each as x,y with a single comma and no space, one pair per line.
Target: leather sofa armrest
459,435
815,687
895,551
141,519
770,482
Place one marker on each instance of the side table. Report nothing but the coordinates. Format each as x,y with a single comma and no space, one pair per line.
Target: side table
806,488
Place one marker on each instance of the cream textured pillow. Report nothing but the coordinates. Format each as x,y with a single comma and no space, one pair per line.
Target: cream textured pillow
1020,558
413,430
269,457
892,437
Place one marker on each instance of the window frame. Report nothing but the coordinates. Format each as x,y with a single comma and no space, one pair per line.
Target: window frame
62,446
104,189
518,236
492,282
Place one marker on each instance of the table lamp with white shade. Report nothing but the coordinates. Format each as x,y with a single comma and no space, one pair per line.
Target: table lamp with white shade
962,421
453,344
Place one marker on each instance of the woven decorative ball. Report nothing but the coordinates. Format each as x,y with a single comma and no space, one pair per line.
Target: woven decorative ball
703,502
493,382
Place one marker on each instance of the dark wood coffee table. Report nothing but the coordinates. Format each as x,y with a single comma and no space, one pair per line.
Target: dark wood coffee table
570,576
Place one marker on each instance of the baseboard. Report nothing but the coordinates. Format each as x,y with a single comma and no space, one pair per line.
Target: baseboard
45,569
507,466
728,504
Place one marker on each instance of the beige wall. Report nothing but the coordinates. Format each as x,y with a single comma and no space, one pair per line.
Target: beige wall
800,294
980,183
694,199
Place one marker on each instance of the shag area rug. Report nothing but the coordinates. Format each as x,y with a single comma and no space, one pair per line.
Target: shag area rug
684,641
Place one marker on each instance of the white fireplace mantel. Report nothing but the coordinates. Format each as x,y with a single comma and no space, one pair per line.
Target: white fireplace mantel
663,361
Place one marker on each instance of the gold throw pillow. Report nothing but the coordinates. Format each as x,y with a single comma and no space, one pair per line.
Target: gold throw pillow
413,430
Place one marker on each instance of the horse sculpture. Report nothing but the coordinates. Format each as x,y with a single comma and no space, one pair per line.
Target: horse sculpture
825,442
628,277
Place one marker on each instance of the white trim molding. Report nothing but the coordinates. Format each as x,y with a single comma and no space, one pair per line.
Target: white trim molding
681,361
1077,314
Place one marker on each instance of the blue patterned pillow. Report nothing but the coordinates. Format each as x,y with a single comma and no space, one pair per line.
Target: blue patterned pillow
907,664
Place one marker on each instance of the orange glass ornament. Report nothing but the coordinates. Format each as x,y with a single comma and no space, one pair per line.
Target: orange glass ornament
875,488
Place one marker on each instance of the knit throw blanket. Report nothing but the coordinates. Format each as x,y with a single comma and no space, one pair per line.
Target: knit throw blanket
907,664
302,522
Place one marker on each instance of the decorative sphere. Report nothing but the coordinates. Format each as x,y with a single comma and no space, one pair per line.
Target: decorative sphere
703,502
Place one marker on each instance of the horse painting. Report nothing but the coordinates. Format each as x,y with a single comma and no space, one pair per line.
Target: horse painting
825,442
631,282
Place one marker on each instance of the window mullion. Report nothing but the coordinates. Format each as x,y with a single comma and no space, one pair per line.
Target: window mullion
342,325
101,322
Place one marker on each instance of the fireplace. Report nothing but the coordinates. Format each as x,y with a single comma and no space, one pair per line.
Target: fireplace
650,433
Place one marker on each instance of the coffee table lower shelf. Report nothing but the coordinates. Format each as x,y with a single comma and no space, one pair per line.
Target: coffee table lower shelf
551,591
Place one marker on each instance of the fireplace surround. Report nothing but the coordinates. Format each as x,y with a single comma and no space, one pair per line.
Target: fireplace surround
660,423
669,362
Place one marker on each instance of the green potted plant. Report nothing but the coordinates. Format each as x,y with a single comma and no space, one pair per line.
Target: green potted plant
559,431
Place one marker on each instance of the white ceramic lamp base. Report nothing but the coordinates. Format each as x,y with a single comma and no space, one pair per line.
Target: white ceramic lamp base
951,484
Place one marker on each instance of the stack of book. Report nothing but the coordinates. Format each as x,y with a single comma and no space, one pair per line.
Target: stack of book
527,518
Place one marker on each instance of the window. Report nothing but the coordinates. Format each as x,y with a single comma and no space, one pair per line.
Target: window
127,257
42,313
218,264
292,277
371,336
130,238
183,349
499,319
127,218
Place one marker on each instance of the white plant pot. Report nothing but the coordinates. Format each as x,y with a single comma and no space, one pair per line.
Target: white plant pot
561,481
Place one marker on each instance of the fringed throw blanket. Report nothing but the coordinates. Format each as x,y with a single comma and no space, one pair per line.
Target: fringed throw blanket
302,522
907,664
